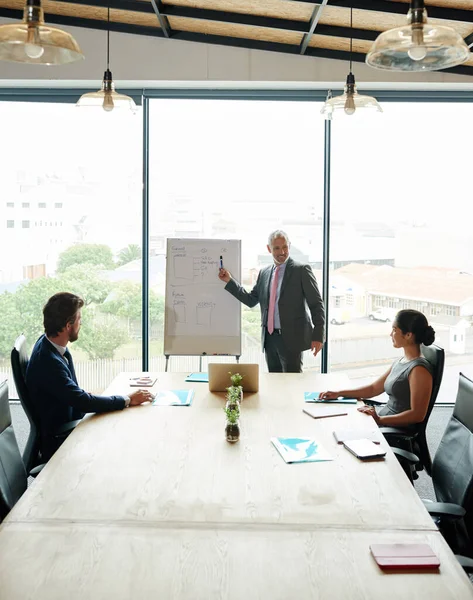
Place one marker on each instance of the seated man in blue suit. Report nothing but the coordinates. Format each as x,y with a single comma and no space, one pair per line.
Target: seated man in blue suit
51,379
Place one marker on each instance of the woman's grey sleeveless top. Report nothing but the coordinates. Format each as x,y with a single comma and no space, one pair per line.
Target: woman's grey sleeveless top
397,386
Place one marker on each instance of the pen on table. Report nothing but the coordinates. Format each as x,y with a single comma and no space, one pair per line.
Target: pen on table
221,262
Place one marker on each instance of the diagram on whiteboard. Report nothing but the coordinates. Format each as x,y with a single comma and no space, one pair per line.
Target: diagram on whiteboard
197,305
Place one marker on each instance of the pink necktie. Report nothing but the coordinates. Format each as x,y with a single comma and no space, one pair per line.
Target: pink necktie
272,300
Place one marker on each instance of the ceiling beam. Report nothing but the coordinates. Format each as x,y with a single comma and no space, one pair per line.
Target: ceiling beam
231,18
401,8
206,38
316,14
163,20
469,40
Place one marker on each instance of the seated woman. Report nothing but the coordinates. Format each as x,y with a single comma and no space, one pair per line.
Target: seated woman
408,382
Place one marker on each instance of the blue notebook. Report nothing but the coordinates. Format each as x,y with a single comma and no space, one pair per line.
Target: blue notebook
173,398
314,397
198,377
297,449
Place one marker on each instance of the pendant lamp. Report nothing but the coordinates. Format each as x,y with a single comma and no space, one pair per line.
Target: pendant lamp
419,46
107,97
32,41
350,100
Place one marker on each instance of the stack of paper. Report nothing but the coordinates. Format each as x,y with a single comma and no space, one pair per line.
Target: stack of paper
142,381
173,398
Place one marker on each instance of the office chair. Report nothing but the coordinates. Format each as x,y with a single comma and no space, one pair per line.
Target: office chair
416,442
452,473
32,453
19,363
13,479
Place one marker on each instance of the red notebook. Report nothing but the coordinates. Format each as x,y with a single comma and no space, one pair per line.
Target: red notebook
404,556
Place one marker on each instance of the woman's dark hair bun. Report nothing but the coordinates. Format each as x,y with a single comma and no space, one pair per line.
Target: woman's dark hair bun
412,321
428,336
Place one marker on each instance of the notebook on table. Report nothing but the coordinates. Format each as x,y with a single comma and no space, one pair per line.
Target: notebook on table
299,449
405,556
315,397
323,412
346,435
365,449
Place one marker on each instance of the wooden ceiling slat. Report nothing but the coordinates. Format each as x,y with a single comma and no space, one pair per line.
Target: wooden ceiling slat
446,10
376,21
84,11
237,31
281,9
337,43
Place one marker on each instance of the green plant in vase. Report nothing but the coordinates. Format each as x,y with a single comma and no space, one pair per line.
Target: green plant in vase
233,398
236,380
232,426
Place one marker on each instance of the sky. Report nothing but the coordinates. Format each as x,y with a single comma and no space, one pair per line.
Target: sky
409,165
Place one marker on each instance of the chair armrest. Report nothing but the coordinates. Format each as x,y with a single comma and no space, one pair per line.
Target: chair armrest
465,562
395,431
370,402
444,509
411,458
36,471
66,429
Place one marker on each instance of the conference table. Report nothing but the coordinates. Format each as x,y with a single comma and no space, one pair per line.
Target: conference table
153,502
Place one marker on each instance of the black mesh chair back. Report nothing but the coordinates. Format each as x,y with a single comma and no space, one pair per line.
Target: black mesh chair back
436,357
452,471
19,363
12,471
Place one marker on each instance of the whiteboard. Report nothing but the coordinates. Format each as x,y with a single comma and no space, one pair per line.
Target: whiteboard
201,317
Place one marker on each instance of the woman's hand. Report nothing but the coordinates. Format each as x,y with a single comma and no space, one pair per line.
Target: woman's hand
329,395
371,411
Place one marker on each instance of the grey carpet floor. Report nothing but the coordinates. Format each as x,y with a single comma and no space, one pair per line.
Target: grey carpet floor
437,423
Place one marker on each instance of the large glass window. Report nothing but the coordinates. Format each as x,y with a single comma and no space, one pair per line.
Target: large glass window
71,218
400,220
401,234
234,170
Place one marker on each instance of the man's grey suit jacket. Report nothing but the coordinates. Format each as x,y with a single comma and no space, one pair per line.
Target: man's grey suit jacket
298,297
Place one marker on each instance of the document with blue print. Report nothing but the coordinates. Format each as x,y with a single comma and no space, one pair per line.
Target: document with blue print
315,397
298,449
173,398
198,377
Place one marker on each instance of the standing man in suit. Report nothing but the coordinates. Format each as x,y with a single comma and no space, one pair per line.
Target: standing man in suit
51,379
286,291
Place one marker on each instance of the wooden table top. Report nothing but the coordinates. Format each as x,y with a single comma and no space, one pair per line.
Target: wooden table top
152,464
50,561
152,502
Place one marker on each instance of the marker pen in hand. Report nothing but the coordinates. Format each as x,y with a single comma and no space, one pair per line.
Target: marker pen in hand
221,262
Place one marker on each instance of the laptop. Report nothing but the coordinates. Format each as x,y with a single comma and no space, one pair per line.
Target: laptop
219,378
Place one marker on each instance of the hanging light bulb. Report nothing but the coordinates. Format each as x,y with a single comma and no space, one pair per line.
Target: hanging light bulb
31,41
418,50
350,92
350,100
108,104
33,46
418,46
107,97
